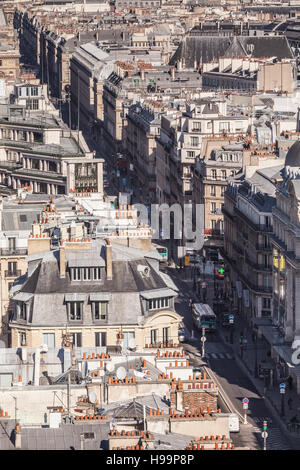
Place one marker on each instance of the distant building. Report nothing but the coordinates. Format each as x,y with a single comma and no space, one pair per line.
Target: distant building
104,293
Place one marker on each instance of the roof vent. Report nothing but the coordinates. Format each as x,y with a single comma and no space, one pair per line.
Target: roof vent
144,270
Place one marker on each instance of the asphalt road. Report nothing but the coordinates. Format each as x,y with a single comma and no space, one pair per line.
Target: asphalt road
233,382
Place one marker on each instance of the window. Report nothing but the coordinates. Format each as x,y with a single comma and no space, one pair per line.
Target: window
100,339
34,91
213,207
96,274
153,336
12,268
85,274
213,224
194,141
223,189
99,310
224,126
223,173
22,311
32,104
213,190
74,310
77,339
196,126
266,303
166,335
49,339
209,125
213,174
190,154
159,303
76,274
23,340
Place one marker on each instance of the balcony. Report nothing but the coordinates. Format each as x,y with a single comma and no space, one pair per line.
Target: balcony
16,273
262,247
13,251
253,225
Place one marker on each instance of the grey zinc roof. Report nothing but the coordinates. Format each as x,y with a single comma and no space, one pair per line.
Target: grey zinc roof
208,48
20,218
66,437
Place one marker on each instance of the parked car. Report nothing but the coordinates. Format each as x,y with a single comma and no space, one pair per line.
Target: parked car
181,336
197,371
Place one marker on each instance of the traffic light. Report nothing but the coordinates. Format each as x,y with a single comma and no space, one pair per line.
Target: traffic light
265,425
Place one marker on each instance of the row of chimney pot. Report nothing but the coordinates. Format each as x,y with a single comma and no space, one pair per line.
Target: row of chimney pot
170,354
3,414
197,414
118,381
94,418
95,356
168,345
198,446
137,447
136,433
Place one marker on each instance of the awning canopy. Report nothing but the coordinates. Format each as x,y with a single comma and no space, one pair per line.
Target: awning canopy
75,297
100,296
23,296
157,293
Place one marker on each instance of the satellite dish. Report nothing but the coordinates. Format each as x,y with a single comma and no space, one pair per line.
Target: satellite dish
121,373
110,367
93,397
132,343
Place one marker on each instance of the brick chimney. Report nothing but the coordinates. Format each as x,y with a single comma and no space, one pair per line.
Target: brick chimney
108,259
62,262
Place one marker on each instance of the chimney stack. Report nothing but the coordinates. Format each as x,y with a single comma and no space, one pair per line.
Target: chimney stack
62,262
108,259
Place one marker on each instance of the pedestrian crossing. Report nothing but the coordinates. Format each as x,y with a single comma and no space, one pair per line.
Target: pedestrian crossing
211,355
275,439
261,419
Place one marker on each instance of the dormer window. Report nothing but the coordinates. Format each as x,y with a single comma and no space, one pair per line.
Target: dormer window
155,304
74,310
85,274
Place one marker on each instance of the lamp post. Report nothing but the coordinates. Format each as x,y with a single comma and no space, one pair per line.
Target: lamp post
203,339
282,392
256,358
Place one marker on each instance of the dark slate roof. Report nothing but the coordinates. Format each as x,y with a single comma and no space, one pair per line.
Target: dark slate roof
293,156
66,437
209,48
126,278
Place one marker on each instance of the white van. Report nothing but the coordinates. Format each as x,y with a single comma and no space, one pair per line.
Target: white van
234,423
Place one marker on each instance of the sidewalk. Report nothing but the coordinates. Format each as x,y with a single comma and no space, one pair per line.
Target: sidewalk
268,390
255,352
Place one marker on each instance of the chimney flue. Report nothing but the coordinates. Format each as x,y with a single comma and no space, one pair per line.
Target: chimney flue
108,259
62,262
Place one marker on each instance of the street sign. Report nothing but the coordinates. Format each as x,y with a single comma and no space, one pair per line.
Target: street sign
264,435
203,339
186,261
282,385
246,400
245,406
282,390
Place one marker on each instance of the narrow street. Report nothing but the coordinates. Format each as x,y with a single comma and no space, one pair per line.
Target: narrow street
231,379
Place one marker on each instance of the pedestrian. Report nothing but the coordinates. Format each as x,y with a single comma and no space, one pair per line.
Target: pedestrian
290,403
290,382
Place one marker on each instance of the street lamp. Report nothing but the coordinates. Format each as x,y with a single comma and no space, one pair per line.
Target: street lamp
256,358
282,392
203,339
